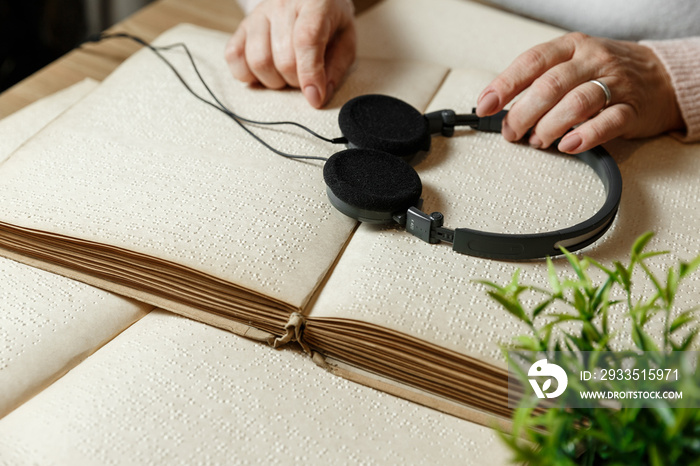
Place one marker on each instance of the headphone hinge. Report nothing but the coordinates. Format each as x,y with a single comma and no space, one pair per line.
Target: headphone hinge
490,124
445,234
441,121
427,227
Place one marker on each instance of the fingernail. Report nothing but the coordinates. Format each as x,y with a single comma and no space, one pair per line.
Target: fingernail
313,96
487,103
535,141
507,131
570,143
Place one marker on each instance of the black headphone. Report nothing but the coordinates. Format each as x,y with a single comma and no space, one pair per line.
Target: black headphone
372,182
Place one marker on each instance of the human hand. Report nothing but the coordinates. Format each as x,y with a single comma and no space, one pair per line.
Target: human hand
560,96
308,44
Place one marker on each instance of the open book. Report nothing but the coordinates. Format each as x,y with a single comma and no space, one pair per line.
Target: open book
142,190
173,378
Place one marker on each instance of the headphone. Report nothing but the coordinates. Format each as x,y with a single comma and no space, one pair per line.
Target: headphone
371,181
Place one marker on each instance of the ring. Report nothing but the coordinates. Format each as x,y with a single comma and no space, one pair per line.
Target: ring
606,89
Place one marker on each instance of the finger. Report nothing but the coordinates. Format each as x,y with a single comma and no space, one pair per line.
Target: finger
522,72
282,30
235,57
258,53
311,35
583,102
610,123
543,94
339,57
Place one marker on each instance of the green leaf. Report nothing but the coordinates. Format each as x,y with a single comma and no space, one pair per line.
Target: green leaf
641,243
609,272
541,307
602,293
624,275
578,342
553,278
641,312
512,306
514,282
604,320
682,319
642,339
661,290
603,342
648,255
578,268
580,303
521,416
527,343
557,344
672,280
687,268
563,317
664,413
655,457
590,332
568,284
490,285
687,341
547,337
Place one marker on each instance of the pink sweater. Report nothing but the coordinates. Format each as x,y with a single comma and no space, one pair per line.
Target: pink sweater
681,57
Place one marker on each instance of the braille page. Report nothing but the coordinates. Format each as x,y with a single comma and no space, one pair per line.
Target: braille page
392,280
143,166
173,391
48,323
453,33
23,124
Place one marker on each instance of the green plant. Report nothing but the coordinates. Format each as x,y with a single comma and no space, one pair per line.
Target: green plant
657,435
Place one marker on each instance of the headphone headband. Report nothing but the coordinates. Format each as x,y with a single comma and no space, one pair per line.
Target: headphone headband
525,246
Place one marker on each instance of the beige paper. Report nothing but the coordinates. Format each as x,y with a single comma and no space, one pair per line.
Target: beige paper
170,390
453,33
48,323
23,124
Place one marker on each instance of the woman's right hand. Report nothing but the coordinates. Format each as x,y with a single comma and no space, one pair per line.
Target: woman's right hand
309,44
560,96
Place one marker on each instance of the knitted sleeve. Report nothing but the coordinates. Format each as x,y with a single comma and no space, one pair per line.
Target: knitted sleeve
681,57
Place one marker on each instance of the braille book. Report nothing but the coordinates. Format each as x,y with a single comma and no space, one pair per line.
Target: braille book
144,191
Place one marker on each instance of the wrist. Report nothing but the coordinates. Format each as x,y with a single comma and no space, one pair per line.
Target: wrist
680,58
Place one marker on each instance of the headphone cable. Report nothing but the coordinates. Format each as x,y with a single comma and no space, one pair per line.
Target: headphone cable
241,121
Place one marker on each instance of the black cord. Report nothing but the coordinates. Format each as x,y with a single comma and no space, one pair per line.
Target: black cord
221,107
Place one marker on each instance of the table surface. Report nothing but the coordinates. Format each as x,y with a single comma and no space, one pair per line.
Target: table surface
98,60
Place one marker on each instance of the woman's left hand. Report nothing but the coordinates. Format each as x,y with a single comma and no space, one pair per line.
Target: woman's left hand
642,99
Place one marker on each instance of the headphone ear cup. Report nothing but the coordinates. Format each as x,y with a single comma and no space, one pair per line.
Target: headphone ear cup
371,186
384,123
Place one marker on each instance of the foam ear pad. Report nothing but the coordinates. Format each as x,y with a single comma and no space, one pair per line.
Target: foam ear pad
371,186
384,123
